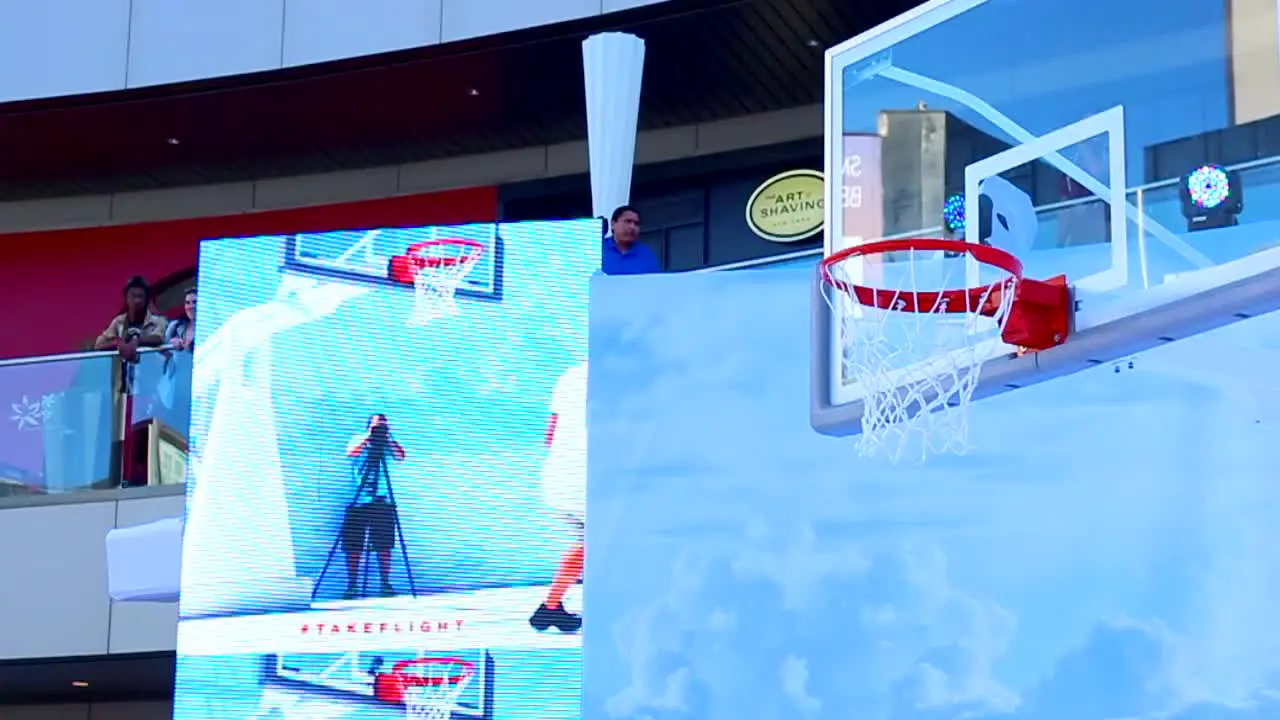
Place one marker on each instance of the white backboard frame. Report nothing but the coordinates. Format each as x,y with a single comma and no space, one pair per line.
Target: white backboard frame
1109,123
347,674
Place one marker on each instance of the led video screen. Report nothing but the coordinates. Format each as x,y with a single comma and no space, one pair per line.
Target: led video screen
386,502
1106,549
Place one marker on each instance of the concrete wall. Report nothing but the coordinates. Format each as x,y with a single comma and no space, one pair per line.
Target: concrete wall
54,601
70,47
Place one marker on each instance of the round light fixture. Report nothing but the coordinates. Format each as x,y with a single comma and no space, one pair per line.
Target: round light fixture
953,213
1208,186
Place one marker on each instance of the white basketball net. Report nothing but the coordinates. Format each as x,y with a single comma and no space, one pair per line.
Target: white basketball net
916,371
445,266
436,694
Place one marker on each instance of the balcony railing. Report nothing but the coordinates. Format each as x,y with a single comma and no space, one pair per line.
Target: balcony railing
1088,217
89,421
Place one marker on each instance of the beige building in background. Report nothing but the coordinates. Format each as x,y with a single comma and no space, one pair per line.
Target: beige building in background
1255,59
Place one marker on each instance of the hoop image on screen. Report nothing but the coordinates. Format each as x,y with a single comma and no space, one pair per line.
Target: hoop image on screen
466,258
457,684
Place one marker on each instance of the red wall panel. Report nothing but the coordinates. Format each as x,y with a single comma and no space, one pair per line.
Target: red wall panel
60,287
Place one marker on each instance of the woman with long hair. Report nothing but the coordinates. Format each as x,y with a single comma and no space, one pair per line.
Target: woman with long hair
181,333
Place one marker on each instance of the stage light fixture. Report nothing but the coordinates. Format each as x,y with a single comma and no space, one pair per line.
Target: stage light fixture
953,213
1211,197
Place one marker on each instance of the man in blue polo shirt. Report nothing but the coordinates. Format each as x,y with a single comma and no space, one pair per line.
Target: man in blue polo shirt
623,253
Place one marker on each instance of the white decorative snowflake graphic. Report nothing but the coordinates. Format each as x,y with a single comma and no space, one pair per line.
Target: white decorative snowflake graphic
27,413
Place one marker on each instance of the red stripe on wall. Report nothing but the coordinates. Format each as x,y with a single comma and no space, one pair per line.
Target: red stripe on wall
60,287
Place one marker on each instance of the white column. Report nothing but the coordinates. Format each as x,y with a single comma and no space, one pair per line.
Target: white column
613,65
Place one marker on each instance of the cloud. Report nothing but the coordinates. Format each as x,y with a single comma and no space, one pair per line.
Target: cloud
797,565
795,681
1263,706
648,687
1131,669
791,621
785,622
951,681
666,695
1123,669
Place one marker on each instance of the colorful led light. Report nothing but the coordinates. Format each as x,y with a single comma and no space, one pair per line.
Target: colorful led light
953,213
1208,186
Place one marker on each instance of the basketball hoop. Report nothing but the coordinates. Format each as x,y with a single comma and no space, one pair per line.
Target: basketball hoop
916,353
429,687
438,268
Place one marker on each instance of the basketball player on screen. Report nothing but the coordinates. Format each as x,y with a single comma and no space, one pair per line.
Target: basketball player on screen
564,490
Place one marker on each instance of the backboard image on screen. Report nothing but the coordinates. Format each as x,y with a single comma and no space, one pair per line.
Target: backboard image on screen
368,685
1106,549
464,683
389,447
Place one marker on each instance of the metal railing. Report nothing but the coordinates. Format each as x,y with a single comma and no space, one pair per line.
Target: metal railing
1158,200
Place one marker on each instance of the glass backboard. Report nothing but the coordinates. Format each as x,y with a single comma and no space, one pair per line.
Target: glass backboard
1066,132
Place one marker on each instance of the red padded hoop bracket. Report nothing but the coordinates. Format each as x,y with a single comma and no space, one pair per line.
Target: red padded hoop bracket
404,267
391,686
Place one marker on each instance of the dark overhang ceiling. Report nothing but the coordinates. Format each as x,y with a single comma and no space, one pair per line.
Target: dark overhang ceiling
705,60
145,676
